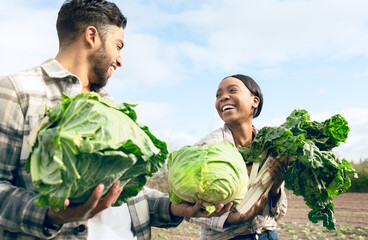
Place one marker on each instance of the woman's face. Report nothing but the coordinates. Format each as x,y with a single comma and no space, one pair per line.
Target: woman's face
234,101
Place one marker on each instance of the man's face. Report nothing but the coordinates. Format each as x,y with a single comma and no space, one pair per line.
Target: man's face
107,57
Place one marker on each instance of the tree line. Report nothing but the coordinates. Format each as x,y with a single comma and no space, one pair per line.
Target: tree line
360,184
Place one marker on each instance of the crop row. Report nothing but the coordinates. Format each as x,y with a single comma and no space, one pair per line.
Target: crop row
187,231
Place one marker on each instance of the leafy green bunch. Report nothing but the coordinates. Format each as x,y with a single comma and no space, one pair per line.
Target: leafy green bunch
87,140
315,171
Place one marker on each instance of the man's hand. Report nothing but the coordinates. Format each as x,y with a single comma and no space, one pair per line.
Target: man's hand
256,209
185,209
87,210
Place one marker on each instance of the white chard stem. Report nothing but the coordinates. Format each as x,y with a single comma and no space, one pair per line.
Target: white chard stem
260,186
253,173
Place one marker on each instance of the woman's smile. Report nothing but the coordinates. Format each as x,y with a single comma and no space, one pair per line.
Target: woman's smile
227,108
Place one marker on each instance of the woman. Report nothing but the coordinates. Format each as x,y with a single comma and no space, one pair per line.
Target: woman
238,101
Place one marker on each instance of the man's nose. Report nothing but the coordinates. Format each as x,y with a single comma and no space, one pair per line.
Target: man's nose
119,61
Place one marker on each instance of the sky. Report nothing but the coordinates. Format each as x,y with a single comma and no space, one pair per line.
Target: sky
306,54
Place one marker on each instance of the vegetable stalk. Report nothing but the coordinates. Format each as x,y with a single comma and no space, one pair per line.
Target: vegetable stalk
309,147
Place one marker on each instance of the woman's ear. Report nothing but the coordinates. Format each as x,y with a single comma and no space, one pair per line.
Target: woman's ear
92,36
255,102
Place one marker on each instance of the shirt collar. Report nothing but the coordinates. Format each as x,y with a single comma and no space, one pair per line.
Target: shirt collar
54,69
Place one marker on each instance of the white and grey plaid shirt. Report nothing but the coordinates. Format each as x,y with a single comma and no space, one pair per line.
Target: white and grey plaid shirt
213,228
23,98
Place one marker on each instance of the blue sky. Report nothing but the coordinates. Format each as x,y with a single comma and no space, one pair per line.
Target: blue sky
304,54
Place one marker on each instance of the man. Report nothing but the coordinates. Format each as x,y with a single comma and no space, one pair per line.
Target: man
91,36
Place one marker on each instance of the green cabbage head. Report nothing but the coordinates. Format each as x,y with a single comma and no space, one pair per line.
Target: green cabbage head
215,173
87,140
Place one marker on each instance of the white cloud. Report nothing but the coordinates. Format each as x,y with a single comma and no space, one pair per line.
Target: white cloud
156,115
149,59
224,35
271,31
363,73
176,140
321,91
162,119
147,62
28,36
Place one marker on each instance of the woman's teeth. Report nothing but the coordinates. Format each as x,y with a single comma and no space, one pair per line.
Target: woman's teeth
227,107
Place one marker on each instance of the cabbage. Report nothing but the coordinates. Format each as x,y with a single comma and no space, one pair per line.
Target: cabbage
87,140
214,173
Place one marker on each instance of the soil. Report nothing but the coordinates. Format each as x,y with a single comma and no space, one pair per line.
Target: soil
351,213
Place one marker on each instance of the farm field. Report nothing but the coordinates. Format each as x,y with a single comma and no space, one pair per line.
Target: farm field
351,213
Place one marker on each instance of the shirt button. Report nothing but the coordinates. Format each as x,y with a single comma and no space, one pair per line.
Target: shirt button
81,228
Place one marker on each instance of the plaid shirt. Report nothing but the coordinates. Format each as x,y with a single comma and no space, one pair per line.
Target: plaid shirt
23,97
213,228
151,208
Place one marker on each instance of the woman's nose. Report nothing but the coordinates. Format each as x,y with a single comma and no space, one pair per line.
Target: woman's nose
224,97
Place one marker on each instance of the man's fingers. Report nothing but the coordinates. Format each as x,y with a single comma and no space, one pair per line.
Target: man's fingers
93,200
109,199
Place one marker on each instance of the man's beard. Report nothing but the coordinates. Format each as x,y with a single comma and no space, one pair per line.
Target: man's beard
99,68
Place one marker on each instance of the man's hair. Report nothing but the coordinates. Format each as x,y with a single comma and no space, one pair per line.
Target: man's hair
75,15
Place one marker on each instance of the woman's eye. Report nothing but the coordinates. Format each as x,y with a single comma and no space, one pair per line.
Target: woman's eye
233,90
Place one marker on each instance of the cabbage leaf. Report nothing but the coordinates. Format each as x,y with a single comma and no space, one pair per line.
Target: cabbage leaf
86,140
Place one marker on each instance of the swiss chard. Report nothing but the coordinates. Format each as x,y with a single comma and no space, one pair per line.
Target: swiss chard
315,171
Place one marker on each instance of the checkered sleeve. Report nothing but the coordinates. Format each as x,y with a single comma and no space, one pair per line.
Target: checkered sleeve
213,228
279,208
17,211
214,223
151,208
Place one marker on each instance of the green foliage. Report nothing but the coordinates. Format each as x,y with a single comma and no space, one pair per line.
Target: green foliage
87,140
316,172
360,184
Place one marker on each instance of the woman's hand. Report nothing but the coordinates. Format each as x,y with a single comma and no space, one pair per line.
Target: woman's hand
277,168
256,209
87,210
185,209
